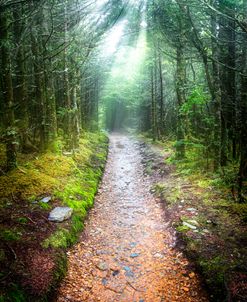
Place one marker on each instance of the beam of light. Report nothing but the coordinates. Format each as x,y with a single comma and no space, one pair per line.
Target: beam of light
111,42
124,65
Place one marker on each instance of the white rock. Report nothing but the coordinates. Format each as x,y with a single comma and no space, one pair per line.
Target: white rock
191,209
60,214
45,199
189,225
194,222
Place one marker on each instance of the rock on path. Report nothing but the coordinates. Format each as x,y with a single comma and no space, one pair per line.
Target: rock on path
125,252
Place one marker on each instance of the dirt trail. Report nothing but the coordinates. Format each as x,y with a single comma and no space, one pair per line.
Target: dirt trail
126,252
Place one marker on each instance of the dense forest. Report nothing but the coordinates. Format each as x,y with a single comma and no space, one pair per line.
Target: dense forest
190,82
173,71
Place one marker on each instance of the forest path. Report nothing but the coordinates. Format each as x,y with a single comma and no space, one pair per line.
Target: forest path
126,252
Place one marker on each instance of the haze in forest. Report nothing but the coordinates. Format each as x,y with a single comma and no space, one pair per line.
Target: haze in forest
171,74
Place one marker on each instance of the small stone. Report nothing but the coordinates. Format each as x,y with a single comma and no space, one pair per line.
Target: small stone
115,272
134,255
59,214
158,255
191,209
194,222
45,199
205,231
67,153
128,272
127,268
133,244
189,225
102,266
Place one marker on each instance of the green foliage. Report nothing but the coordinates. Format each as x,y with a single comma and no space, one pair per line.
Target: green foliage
56,146
182,228
71,180
44,206
64,237
11,234
60,239
79,191
240,209
159,188
22,220
215,270
196,100
15,294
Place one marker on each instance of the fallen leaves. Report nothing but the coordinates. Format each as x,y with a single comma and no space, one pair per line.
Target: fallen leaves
126,252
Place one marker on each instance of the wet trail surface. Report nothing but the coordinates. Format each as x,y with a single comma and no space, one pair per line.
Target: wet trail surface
126,252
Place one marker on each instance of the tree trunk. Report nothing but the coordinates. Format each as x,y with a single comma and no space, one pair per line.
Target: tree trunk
180,90
20,91
153,106
217,95
8,97
242,175
161,126
36,47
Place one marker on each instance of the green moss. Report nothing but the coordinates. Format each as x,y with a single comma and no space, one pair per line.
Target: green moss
71,180
240,209
56,146
173,195
57,239
11,234
64,237
193,246
80,190
204,183
182,228
215,269
45,206
159,188
22,220
14,294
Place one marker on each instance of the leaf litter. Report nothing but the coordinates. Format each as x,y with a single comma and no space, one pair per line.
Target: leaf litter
127,252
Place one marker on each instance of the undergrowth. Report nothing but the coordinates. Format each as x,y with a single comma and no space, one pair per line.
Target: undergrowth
71,179
215,237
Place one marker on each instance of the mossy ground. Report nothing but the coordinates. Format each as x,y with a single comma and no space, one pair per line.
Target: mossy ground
192,193
32,249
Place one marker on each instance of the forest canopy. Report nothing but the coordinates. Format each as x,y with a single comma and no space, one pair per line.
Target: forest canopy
170,68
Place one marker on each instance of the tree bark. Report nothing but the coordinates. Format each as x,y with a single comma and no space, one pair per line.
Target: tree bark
8,97
180,91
